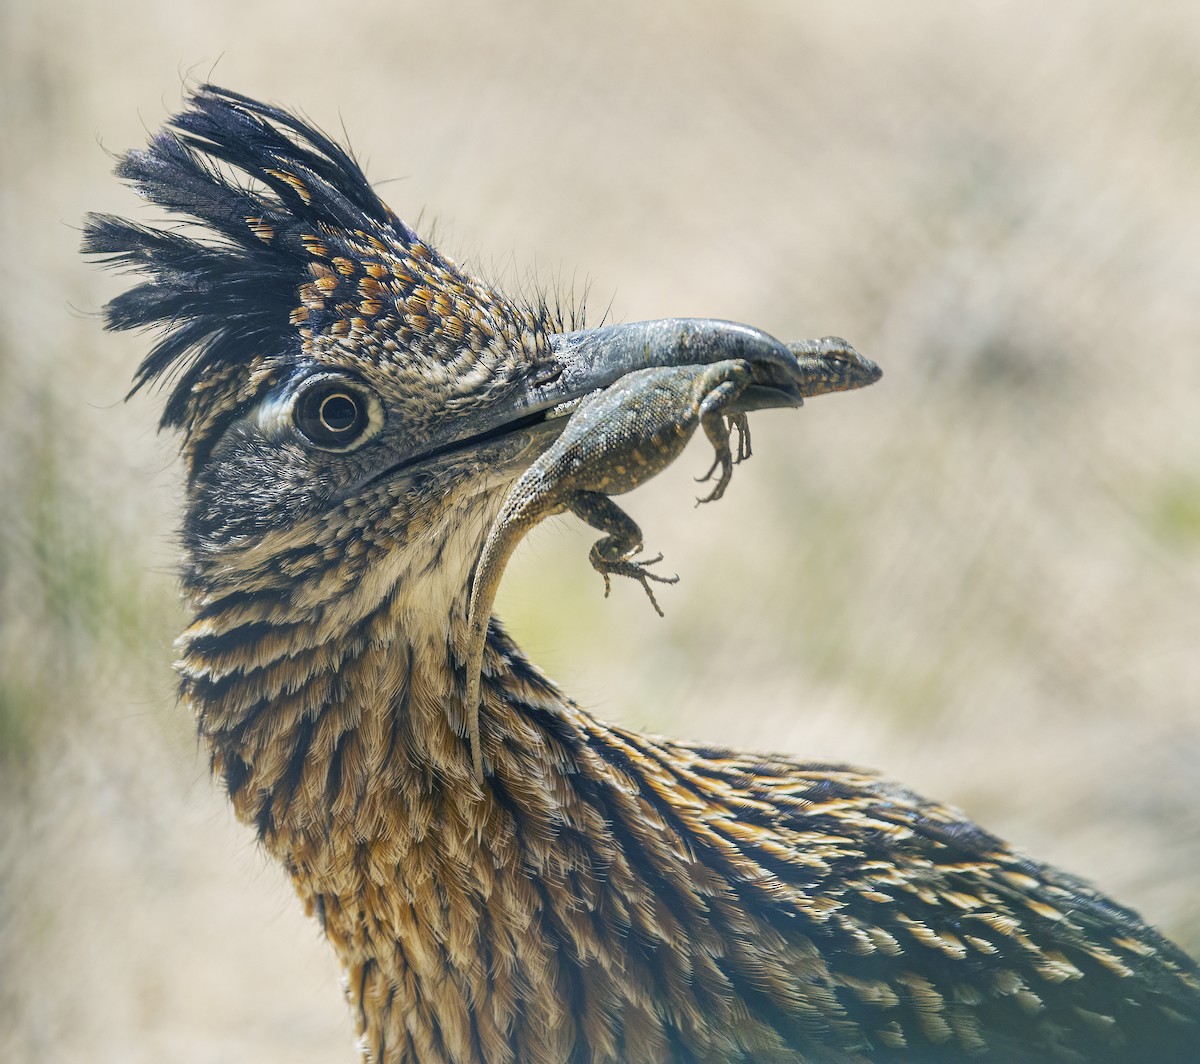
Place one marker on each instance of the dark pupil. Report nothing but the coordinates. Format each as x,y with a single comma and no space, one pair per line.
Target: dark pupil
338,412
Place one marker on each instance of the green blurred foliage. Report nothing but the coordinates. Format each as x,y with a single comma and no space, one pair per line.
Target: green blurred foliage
1175,516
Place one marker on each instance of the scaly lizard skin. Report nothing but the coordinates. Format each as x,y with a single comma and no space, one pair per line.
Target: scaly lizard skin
616,440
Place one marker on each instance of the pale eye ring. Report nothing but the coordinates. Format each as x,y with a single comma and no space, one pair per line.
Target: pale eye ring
336,414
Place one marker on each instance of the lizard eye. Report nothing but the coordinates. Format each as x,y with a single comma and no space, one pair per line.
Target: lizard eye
336,413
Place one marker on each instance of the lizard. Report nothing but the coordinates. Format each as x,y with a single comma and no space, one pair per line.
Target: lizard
618,438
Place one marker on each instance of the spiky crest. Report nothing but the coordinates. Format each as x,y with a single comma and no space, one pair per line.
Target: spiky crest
260,186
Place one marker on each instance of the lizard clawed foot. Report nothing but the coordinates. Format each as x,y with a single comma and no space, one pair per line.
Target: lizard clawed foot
724,463
635,570
742,424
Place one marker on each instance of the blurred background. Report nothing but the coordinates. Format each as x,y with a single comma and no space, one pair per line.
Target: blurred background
980,576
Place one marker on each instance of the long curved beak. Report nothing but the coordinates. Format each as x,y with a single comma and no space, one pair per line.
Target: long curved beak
585,361
782,374
595,358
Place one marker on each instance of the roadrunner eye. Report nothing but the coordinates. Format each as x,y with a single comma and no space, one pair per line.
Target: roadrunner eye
336,415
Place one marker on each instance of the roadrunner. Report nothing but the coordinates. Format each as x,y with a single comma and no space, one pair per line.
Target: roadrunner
353,409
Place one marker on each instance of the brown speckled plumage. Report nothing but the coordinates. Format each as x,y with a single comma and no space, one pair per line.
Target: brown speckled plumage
599,895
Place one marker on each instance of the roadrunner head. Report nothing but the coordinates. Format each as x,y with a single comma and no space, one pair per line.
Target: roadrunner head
352,404
316,346
321,356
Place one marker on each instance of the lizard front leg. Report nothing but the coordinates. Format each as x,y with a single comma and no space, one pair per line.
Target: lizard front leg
718,430
720,386
613,555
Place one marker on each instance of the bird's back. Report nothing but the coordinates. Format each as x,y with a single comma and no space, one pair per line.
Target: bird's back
816,912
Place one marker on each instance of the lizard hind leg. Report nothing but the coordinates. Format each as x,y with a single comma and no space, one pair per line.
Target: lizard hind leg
613,555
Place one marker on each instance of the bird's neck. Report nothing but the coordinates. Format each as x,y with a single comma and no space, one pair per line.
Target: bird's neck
332,696
514,918
346,752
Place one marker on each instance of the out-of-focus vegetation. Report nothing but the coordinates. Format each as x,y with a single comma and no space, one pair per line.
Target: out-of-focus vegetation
981,576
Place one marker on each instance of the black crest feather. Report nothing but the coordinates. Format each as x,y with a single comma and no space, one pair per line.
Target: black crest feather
252,179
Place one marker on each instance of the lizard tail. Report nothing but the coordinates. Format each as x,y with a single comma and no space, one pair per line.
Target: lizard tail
506,532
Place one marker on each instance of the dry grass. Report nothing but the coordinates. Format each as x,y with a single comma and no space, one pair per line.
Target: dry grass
981,576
